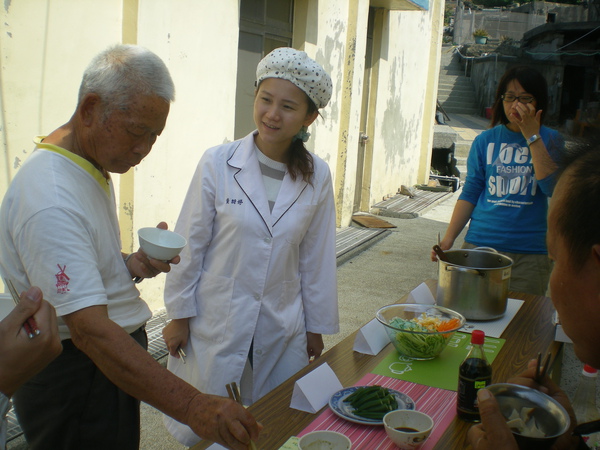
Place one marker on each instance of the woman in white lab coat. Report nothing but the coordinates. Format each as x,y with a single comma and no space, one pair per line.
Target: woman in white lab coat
256,285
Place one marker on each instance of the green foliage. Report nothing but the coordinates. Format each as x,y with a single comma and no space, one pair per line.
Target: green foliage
480,32
449,11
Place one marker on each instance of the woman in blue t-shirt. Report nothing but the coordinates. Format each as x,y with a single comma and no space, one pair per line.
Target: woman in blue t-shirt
510,176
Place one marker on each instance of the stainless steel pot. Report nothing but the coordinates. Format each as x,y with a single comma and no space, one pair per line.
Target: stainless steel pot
474,282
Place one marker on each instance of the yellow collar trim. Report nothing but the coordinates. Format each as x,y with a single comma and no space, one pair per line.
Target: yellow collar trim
81,162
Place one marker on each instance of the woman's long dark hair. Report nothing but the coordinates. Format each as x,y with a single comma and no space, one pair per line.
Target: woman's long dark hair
301,161
531,80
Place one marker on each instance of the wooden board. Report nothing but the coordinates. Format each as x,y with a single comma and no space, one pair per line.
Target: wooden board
371,221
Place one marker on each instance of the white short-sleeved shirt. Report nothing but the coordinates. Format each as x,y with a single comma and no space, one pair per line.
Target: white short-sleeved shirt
59,231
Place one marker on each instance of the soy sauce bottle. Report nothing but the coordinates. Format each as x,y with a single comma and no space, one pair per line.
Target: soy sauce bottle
475,373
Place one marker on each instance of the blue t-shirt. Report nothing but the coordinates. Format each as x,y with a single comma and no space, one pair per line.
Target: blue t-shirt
511,204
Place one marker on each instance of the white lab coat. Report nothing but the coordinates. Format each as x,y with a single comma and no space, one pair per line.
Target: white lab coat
248,274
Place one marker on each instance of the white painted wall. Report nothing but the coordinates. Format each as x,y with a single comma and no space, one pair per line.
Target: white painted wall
45,46
198,41
402,104
44,49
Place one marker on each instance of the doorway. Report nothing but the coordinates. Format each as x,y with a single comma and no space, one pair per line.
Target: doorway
264,26
362,189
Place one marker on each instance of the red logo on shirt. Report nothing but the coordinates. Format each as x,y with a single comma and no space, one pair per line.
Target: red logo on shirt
62,281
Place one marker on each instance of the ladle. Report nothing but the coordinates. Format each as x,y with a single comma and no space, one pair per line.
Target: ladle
440,253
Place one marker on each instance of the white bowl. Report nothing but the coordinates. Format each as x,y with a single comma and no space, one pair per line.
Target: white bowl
406,418
324,440
161,244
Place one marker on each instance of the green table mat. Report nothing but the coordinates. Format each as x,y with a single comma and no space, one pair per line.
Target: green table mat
441,372
290,444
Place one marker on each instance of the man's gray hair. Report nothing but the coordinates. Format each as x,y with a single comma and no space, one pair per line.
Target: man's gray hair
123,71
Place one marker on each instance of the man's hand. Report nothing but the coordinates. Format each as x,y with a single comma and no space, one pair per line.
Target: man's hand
141,265
222,420
22,357
551,389
492,433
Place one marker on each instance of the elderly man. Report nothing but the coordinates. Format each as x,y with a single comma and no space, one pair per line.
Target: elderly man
59,231
574,245
22,355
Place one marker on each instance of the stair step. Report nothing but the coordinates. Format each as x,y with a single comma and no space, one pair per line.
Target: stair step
455,82
461,149
460,110
456,90
457,104
452,71
450,101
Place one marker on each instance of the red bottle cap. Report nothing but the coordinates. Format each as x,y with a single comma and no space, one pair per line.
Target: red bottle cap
477,337
589,369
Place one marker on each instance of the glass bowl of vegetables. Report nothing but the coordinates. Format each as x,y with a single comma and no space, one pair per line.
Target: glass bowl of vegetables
419,331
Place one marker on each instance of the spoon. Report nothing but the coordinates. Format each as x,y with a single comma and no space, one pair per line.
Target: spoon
440,253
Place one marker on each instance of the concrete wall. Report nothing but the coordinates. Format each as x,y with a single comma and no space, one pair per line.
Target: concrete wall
497,23
45,46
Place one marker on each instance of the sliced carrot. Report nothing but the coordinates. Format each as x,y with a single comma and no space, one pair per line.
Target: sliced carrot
449,324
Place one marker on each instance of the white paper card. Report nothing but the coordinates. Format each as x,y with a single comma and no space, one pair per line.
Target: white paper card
422,295
313,390
371,338
495,328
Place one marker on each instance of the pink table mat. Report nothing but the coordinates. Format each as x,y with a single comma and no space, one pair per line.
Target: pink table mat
439,404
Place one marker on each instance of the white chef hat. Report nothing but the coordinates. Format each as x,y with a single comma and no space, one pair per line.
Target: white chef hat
295,66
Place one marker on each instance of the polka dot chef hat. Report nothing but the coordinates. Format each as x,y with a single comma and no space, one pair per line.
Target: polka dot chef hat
295,66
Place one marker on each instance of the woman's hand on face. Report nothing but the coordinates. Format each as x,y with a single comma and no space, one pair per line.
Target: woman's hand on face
176,334
527,119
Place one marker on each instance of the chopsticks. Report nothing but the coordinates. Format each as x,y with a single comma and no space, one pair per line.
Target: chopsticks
182,354
234,394
30,326
541,371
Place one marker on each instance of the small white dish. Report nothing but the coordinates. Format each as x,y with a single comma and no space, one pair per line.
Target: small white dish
408,429
324,440
161,244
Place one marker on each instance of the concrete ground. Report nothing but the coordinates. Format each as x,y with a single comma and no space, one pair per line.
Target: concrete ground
378,276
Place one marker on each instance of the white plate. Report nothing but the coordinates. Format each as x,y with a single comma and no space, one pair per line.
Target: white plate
344,410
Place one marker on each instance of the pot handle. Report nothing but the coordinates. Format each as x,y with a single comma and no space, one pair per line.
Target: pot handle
451,268
486,249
